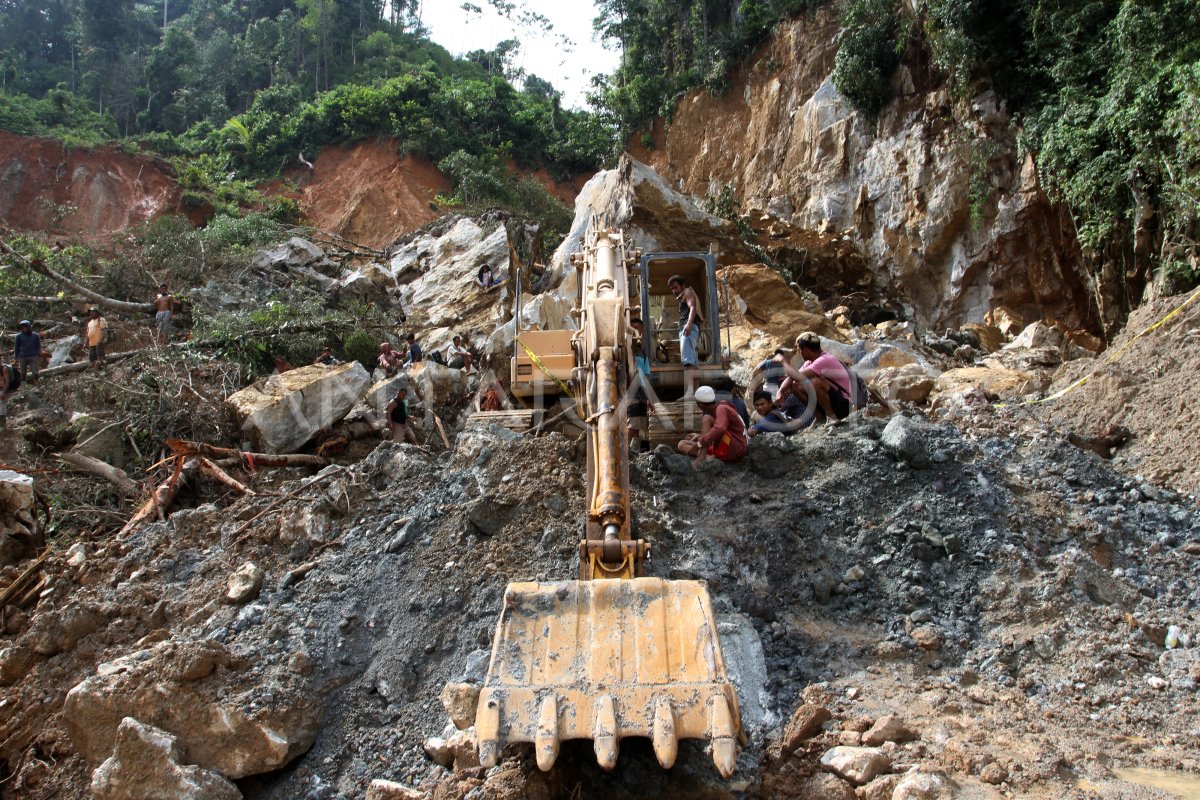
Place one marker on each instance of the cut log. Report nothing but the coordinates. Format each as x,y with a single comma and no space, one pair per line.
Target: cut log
95,297
117,477
163,495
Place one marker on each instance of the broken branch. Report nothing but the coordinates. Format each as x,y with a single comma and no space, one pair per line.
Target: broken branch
40,268
163,495
94,466
221,476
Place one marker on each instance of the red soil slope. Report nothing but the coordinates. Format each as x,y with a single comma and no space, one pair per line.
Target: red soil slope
365,192
88,194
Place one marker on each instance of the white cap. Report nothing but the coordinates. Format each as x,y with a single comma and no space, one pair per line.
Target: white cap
705,394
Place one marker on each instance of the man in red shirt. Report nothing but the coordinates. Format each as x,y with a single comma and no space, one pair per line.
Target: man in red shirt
823,373
722,432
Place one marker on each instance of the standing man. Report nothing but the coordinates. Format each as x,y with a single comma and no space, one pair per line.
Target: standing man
164,306
690,319
414,351
397,412
722,434
27,351
95,334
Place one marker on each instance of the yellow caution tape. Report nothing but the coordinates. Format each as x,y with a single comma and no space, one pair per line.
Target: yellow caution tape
545,370
1072,387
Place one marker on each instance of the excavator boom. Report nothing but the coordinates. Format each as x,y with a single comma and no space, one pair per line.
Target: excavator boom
610,655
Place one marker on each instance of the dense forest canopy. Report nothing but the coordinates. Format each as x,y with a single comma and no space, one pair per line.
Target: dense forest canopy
243,88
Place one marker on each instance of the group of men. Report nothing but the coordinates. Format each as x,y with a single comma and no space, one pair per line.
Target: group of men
456,356
27,356
821,390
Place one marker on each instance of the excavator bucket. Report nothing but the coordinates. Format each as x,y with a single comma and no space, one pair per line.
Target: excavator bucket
603,660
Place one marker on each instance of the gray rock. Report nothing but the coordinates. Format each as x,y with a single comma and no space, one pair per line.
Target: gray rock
244,584
907,440
771,455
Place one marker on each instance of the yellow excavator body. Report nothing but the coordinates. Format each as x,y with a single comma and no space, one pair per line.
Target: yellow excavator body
613,654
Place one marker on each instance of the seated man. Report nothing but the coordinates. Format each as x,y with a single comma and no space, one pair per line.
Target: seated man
326,358
415,353
389,359
484,278
823,381
722,434
772,416
772,373
459,357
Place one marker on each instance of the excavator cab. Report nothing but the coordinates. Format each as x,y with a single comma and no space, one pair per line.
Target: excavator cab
614,654
662,315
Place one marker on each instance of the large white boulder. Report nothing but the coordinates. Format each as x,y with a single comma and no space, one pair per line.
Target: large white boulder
17,523
197,691
437,275
280,413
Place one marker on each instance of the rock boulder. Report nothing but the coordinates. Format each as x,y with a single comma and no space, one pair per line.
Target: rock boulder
204,696
145,765
18,528
280,413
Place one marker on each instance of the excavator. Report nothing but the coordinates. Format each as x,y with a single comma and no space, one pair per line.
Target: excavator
616,653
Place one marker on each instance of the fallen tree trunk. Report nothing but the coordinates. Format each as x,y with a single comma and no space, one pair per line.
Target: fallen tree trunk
40,268
252,460
80,366
117,477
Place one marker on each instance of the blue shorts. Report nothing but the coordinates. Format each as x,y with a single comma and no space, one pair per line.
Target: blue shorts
687,347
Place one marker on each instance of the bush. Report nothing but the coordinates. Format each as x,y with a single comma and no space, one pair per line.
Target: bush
867,54
362,347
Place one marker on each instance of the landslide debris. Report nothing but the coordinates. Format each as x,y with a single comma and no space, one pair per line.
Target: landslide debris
1003,601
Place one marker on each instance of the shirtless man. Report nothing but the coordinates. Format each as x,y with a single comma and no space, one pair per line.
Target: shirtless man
164,306
689,328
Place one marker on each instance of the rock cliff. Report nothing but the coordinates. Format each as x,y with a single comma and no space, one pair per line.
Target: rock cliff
936,193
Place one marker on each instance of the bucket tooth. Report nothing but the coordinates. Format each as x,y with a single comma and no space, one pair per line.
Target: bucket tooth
724,745
666,743
487,729
605,736
546,744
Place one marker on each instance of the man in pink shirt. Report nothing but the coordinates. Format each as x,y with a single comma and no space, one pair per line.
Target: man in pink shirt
823,373
722,432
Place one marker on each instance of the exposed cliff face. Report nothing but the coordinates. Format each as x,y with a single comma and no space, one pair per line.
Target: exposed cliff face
936,194
84,193
366,192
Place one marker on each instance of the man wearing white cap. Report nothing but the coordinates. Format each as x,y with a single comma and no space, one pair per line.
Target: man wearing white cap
722,432
27,351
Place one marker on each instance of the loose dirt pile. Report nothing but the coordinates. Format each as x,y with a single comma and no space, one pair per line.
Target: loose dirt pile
1149,389
1007,594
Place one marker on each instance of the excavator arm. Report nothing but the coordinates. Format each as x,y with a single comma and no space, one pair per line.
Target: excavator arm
613,654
